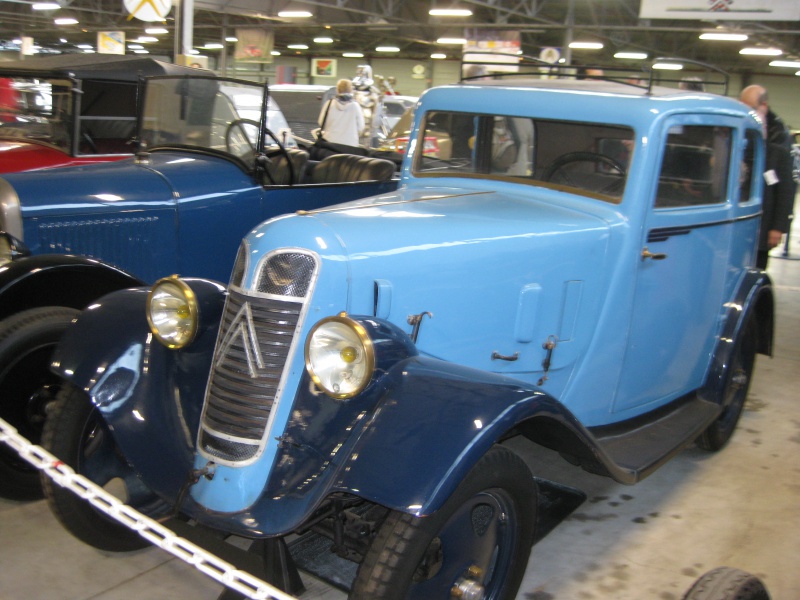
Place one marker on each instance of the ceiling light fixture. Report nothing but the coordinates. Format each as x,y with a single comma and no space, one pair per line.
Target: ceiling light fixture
668,66
156,31
85,46
453,40
45,6
450,12
586,45
144,39
231,38
275,53
135,47
631,55
387,49
213,46
141,51
66,21
294,14
761,51
438,56
297,47
792,64
353,54
323,40
724,37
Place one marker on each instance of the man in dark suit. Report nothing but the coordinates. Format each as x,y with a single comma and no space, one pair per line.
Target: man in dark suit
779,187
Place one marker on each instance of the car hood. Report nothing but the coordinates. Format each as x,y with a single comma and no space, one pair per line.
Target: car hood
126,185
494,274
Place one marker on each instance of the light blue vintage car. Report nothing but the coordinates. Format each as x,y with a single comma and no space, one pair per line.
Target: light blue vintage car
208,167
568,261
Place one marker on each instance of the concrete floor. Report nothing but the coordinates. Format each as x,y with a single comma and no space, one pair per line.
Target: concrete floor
738,508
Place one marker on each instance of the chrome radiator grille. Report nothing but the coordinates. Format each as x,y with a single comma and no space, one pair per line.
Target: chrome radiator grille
253,347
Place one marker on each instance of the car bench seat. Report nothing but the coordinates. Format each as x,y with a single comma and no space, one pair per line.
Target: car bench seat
341,168
278,168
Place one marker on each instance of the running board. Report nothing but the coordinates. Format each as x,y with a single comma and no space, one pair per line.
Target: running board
638,447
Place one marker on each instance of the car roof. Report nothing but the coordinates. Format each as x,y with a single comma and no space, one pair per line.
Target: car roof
94,66
611,101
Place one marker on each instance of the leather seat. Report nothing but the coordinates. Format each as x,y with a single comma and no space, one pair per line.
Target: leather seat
340,168
279,169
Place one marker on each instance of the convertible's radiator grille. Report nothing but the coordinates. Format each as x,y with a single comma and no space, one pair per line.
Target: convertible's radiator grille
252,350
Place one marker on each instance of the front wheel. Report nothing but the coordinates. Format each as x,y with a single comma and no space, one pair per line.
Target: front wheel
737,384
76,433
479,540
727,583
27,387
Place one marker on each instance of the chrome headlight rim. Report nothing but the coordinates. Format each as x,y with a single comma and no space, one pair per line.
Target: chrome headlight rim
367,347
191,303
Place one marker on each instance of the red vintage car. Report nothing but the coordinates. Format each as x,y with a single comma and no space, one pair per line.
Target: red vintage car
71,109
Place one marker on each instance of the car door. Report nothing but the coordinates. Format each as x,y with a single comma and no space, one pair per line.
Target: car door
682,268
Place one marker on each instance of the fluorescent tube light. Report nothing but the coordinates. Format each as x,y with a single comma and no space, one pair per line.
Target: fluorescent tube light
450,12
724,37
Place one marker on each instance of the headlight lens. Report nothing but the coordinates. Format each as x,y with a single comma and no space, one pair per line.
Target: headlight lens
340,357
172,312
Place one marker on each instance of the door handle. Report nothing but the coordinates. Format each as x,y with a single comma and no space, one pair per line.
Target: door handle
654,255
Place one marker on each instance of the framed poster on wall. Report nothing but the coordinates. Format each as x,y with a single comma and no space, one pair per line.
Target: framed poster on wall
323,67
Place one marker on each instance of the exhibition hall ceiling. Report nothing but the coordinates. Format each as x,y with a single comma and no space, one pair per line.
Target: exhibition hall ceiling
361,26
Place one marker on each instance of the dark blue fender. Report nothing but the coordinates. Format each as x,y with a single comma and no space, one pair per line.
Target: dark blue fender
58,280
433,424
150,396
754,300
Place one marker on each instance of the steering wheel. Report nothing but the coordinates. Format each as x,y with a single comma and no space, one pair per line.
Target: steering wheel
237,127
265,160
557,173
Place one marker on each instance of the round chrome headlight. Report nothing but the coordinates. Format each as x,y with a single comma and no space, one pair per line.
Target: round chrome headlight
172,312
339,356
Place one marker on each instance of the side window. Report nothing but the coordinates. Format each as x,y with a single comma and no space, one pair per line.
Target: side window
746,173
694,170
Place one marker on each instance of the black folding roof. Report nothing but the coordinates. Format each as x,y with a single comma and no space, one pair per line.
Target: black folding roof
108,67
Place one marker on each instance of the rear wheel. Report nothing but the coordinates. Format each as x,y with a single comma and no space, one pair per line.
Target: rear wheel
27,388
76,433
737,384
478,541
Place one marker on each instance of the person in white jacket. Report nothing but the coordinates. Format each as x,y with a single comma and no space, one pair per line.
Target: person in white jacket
341,119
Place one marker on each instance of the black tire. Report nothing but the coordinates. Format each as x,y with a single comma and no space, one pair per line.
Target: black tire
76,433
27,387
726,583
737,384
488,522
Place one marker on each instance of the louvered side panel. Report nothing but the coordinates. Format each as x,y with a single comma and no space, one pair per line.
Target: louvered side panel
122,242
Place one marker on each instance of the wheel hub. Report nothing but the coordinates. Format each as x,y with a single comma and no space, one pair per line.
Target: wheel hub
469,587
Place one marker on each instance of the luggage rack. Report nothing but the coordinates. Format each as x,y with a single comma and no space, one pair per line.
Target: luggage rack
497,65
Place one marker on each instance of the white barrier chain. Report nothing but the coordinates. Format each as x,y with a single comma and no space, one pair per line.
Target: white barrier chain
151,530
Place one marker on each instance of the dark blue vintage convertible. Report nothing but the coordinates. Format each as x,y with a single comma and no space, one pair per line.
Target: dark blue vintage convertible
207,170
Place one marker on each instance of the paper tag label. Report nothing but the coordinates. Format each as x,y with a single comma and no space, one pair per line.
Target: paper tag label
771,177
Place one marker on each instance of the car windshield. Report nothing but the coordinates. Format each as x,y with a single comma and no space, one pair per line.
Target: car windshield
585,158
100,119
202,112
